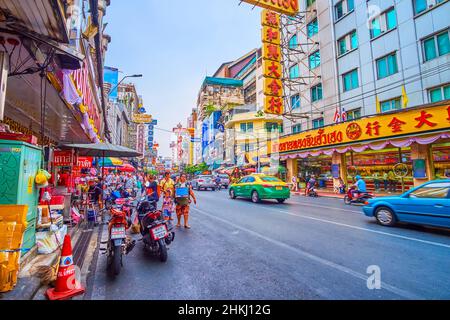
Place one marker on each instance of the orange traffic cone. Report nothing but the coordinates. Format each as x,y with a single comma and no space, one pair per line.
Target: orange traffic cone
67,286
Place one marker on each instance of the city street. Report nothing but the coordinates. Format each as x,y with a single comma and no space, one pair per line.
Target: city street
303,249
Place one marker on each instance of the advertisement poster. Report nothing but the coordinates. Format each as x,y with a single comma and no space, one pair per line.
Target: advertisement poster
419,169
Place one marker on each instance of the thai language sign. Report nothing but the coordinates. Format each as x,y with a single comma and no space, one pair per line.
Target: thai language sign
415,121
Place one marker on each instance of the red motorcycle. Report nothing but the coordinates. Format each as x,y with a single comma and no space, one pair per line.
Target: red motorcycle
357,197
118,243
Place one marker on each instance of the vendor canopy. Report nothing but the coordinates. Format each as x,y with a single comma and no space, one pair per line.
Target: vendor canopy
102,150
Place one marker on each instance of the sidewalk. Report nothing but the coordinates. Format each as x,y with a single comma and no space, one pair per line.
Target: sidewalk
27,283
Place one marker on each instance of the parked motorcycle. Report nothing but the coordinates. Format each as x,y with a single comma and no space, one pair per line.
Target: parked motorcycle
118,243
360,198
156,233
312,192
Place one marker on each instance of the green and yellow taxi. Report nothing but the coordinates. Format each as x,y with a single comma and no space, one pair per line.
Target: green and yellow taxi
260,186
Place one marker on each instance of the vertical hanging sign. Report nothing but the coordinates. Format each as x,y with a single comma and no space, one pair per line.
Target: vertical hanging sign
272,68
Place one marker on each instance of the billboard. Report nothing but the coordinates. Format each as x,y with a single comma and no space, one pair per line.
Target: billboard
111,76
288,7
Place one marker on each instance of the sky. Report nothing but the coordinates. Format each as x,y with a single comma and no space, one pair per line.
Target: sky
175,44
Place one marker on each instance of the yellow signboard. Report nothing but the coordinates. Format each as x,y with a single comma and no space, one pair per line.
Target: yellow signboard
270,18
271,51
407,122
142,118
273,105
271,35
288,7
272,69
273,87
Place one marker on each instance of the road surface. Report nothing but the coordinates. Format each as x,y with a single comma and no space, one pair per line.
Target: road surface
307,248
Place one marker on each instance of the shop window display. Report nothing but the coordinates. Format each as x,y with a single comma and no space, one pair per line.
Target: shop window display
441,157
379,170
320,167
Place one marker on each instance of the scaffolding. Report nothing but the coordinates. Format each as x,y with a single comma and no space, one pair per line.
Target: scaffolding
298,53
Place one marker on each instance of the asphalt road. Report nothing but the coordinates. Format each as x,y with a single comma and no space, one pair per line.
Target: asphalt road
307,248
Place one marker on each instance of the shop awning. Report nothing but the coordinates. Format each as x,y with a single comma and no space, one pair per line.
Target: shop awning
102,150
39,17
23,111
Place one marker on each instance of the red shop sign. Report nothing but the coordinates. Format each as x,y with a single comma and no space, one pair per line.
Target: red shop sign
62,158
84,162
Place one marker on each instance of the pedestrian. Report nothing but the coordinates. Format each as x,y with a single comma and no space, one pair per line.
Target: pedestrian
392,179
167,184
183,195
385,181
294,184
152,189
376,180
167,207
341,185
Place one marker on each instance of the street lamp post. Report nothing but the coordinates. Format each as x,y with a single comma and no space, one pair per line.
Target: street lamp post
131,76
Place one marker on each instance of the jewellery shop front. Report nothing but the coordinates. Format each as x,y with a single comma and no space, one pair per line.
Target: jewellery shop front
392,152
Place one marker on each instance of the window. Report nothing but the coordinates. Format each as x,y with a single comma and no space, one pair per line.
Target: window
354,114
348,42
350,80
295,101
247,127
422,5
314,60
339,10
297,128
294,72
309,2
387,66
293,42
388,105
440,93
313,28
316,93
433,190
250,180
318,123
343,7
274,127
436,45
384,22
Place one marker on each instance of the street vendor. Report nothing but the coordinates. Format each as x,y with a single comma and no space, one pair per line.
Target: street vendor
183,195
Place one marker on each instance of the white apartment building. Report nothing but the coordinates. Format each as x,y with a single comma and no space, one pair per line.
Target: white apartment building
344,54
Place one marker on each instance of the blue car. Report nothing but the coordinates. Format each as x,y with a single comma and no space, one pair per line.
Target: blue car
428,204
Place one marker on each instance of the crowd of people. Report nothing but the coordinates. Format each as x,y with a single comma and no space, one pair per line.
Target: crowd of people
175,195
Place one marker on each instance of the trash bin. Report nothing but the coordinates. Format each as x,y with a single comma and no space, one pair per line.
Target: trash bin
13,222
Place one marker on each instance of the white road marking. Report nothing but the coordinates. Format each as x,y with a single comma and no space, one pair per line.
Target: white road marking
363,229
328,263
319,206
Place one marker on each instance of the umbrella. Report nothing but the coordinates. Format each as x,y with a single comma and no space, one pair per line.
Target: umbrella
110,162
126,168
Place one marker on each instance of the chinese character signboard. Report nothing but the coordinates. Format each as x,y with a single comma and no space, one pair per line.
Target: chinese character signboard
288,7
140,141
411,122
273,71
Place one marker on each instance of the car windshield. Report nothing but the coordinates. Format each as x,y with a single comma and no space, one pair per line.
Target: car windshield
270,179
205,177
224,176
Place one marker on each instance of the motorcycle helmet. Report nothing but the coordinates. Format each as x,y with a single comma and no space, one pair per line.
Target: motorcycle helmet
358,177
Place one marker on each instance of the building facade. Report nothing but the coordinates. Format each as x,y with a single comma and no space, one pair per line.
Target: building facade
352,60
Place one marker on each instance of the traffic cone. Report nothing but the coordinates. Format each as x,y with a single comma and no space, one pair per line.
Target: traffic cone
67,286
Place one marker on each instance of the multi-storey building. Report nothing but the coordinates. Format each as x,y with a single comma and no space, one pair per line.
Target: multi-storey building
370,63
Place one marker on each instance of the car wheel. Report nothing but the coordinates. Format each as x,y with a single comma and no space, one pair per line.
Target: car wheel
385,216
281,200
232,194
255,197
